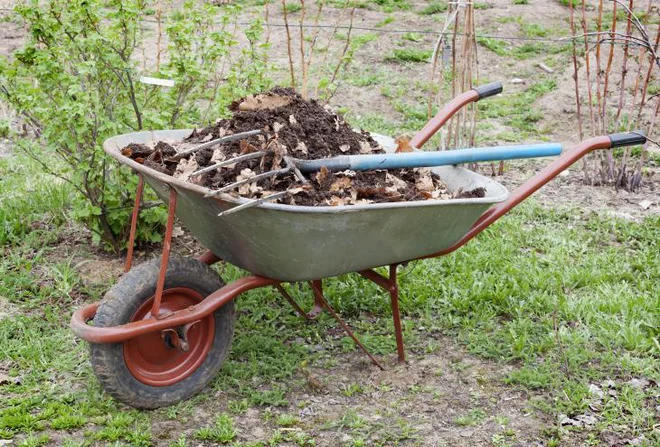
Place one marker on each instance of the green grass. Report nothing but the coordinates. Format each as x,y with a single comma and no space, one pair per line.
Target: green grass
409,55
434,8
517,111
564,298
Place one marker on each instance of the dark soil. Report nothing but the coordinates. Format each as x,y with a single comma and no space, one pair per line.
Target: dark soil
300,128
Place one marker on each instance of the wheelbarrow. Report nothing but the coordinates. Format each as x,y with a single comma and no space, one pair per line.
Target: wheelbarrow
163,330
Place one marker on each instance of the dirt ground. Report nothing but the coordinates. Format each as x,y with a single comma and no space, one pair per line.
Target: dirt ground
433,389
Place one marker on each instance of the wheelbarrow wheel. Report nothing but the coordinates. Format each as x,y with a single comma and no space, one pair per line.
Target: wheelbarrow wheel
155,370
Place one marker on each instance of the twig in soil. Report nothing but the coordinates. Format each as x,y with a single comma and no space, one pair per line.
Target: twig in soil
234,137
254,202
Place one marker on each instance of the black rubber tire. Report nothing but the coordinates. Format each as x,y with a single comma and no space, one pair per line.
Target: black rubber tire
118,307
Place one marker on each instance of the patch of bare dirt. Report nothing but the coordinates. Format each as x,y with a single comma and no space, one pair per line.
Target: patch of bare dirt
448,398
569,189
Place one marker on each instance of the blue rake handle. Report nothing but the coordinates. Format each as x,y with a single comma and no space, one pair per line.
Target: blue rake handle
421,159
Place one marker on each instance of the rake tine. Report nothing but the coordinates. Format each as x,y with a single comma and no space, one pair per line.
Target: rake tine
236,136
231,161
291,163
254,202
256,178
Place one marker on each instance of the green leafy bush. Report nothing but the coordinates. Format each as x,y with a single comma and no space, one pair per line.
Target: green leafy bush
76,82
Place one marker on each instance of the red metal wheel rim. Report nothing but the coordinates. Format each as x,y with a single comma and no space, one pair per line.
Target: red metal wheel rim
148,357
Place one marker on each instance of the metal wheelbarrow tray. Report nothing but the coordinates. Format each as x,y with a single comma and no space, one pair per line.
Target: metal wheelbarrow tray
303,243
163,331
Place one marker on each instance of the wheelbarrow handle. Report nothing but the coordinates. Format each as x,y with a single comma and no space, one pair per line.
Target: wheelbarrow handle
551,171
420,159
453,106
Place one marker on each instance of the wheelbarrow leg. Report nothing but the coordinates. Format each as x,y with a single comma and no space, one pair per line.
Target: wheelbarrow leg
167,246
293,303
134,218
396,316
390,285
317,287
208,258
312,314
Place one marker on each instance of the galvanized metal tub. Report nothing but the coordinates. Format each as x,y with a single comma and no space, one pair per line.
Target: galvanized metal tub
301,243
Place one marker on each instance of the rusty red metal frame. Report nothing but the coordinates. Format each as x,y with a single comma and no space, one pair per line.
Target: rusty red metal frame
443,116
391,285
134,218
214,301
317,287
167,247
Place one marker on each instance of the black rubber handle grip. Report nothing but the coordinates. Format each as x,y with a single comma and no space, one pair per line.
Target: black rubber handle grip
492,89
628,139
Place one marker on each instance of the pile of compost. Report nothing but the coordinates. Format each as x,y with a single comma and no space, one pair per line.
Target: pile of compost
303,129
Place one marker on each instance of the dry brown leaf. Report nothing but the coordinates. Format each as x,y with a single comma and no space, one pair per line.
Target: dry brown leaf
246,148
395,182
185,168
340,184
365,147
302,147
424,181
403,144
217,156
335,201
245,174
322,175
277,126
262,102
279,151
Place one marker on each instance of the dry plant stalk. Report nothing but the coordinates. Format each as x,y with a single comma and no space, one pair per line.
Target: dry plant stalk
302,62
288,44
609,82
460,22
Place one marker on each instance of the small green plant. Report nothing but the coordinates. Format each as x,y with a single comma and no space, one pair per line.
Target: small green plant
473,417
497,46
409,55
386,21
413,37
222,431
293,7
80,58
520,2
434,8
286,420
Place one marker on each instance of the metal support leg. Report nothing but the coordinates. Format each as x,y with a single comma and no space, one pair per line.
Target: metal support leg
396,316
320,299
208,258
167,246
291,301
134,218
391,286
